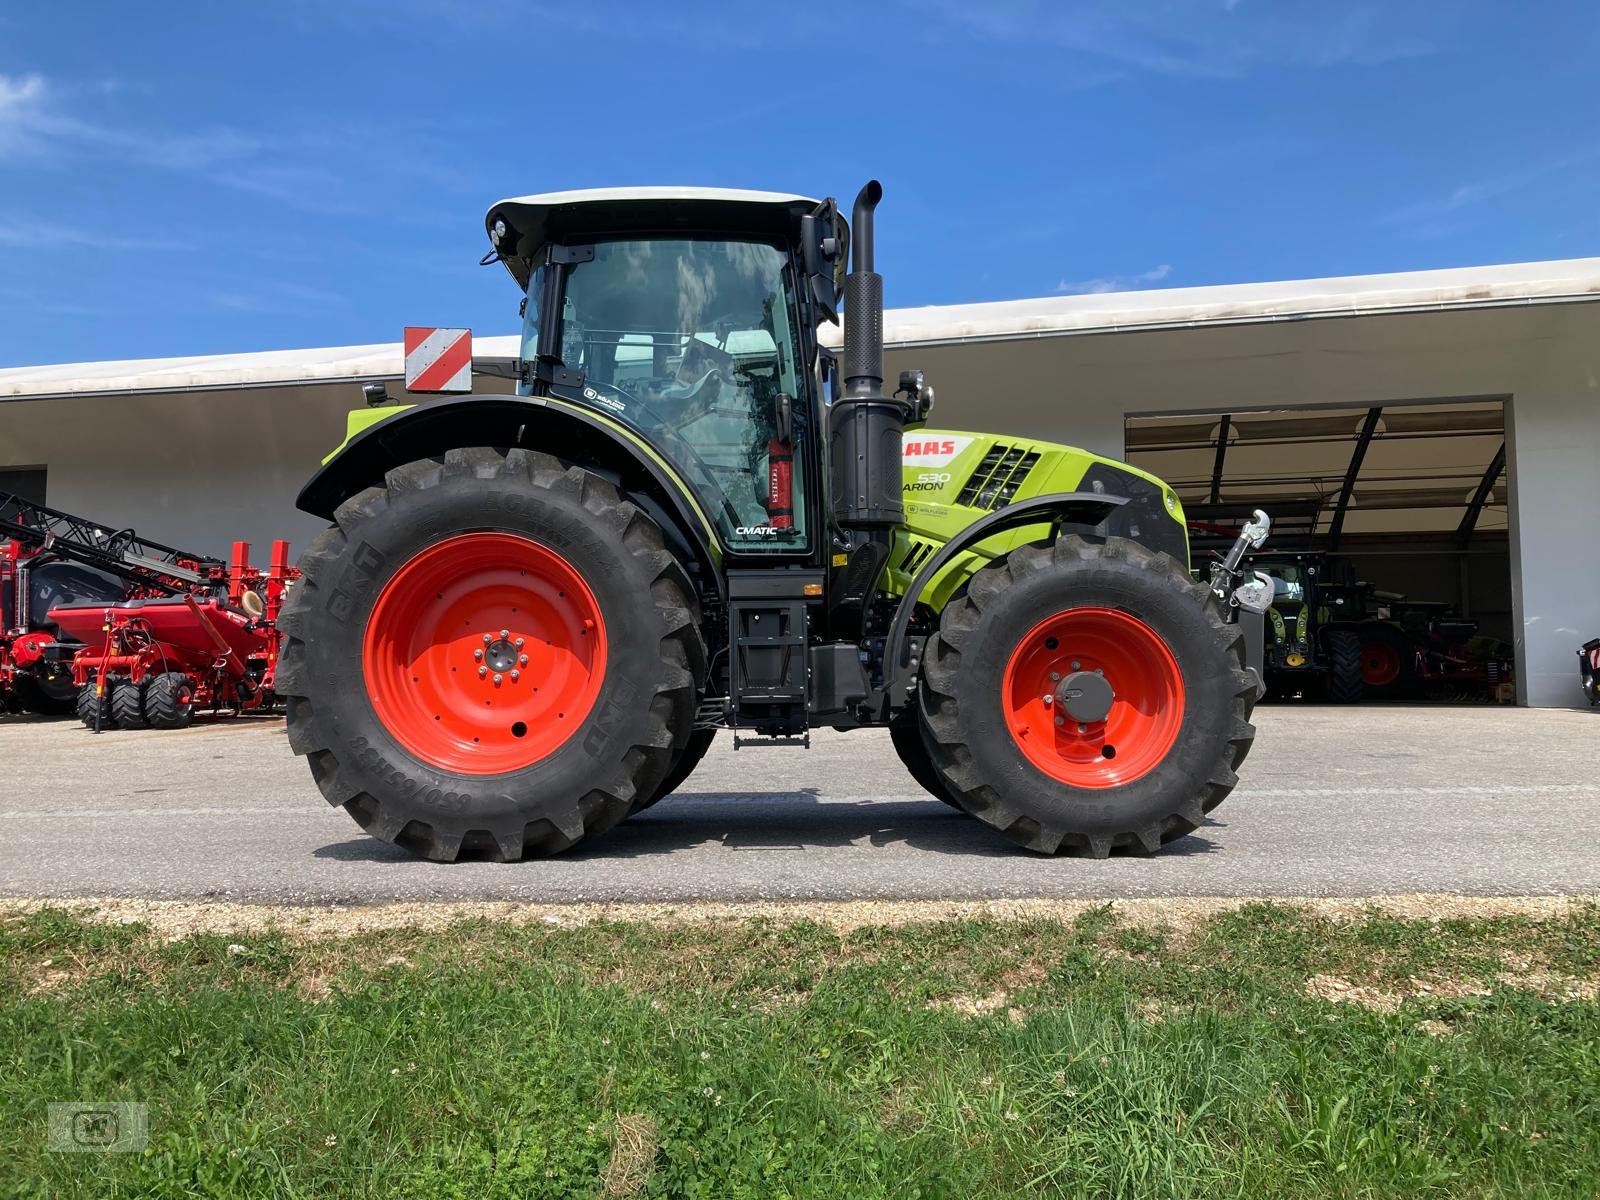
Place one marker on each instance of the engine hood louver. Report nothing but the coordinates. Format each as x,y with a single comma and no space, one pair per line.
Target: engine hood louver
995,480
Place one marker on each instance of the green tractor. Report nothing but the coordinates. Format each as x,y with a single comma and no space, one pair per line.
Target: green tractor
533,612
1318,637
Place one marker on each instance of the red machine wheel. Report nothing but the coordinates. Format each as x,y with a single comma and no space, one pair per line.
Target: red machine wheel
1146,697
484,653
169,701
127,704
1380,664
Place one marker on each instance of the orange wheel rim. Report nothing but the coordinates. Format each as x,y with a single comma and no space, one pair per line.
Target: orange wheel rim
1380,664
484,653
1088,663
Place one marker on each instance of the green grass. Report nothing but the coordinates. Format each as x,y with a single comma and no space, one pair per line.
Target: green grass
963,1059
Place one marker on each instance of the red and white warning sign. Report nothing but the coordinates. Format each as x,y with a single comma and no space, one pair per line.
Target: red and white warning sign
438,360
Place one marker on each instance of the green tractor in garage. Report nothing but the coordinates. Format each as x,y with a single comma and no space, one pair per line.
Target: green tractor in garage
533,612
1317,636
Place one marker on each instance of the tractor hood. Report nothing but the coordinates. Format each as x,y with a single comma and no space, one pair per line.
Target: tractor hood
531,221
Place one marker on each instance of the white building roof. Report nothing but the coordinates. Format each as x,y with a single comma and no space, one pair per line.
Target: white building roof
1562,281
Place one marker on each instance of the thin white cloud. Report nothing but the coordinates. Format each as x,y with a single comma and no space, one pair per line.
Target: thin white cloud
277,296
35,123
1185,39
25,233
1114,283
1427,217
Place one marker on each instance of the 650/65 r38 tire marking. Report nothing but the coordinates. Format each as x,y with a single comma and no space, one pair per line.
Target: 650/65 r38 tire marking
484,653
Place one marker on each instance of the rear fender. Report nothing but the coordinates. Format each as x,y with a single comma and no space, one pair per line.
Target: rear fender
533,423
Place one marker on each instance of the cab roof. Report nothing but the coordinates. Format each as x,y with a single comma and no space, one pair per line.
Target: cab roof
535,220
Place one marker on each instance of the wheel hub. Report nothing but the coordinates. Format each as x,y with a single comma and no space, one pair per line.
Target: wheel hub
500,655
484,653
1085,696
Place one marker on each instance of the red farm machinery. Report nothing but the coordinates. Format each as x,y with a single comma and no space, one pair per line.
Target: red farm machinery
130,632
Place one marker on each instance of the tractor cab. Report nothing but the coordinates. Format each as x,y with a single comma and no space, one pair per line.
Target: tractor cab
684,315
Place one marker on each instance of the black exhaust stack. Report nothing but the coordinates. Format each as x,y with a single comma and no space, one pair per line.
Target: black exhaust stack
865,428
866,424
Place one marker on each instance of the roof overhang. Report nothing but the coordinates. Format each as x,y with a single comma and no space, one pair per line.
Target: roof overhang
1566,281
1560,281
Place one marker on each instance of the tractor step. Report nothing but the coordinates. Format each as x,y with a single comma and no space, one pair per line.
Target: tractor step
769,633
756,743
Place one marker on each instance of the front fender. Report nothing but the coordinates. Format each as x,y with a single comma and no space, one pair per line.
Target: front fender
1089,509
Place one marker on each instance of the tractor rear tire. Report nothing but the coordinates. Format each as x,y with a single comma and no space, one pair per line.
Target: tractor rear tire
408,628
127,705
699,742
93,710
1345,684
910,743
169,701
1065,620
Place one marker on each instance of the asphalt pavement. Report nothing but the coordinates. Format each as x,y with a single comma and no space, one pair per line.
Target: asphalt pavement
1333,802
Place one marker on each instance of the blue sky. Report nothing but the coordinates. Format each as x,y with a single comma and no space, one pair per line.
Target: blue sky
180,179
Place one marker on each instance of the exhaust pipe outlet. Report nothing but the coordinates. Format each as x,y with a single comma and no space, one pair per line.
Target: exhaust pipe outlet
866,425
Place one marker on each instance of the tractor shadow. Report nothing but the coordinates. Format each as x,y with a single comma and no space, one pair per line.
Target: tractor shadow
806,820
780,822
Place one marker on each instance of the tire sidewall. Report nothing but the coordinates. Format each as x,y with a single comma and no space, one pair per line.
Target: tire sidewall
379,545
1176,615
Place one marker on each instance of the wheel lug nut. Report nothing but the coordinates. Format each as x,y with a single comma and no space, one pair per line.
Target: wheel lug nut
482,671
516,675
1083,729
1075,665
522,661
519,643
505,633
1061,720
478,654
1055,676
1048,699
487,639
497,679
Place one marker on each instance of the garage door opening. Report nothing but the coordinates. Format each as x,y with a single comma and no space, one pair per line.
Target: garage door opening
1389,553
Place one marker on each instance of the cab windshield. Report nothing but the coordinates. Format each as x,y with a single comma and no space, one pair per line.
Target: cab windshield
692,343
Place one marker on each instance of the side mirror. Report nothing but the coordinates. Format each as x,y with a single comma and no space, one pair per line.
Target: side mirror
822,249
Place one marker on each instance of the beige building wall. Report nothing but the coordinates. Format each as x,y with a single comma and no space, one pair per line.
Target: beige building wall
199,469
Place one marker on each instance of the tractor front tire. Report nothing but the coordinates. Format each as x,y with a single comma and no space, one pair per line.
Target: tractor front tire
907,737
1345,684
492,654
1087,696
169,701
127,705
